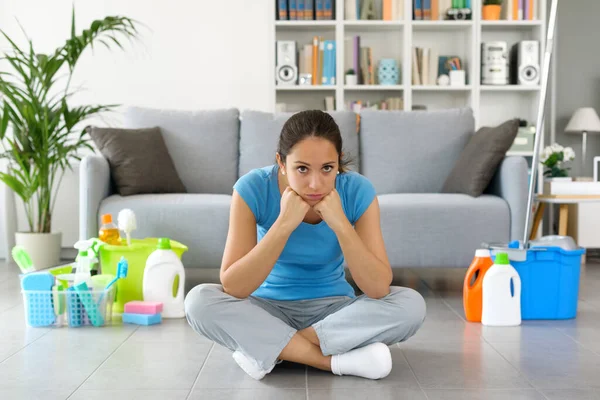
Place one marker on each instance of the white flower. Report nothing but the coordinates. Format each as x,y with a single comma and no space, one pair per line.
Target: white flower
557,148
568,154
545,154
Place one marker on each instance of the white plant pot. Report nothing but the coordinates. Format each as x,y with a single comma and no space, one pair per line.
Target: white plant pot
559,179
351,80
43,248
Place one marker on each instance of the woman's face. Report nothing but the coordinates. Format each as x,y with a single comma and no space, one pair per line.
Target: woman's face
311,168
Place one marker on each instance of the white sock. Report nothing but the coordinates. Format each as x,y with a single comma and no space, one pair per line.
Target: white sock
250,366
373,361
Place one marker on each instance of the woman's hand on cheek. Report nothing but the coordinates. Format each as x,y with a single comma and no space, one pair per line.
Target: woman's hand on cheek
331,211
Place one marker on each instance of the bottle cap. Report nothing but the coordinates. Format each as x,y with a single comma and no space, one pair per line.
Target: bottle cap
502,259
106,218
164,244
484,253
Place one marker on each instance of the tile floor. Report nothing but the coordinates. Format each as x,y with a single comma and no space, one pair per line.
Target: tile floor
447,359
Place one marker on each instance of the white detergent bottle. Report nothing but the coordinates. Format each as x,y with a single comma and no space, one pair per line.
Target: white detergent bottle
162,268
501,292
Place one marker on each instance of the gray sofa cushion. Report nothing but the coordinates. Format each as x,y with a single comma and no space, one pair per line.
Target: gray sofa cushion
414,151
200,221
202,144
420,230
259,134
479,161
139,160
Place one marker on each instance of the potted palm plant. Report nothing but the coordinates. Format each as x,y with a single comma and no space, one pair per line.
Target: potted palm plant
40,133
491,10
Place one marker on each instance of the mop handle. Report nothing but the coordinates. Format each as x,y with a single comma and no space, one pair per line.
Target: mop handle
540,118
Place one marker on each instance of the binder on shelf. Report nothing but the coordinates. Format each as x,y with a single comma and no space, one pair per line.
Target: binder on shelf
426,11
418,10
282,12
293,10
308,10
320,9
328,9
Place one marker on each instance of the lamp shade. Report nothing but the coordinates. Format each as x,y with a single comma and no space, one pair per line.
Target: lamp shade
584,120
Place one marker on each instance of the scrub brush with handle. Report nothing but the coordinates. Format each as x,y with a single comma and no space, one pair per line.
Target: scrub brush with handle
23,260
127,223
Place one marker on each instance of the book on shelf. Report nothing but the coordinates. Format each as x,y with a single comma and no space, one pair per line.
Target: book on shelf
305,10
385,10
329,103
520,10
426,66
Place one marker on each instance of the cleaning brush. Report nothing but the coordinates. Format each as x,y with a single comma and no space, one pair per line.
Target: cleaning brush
127,223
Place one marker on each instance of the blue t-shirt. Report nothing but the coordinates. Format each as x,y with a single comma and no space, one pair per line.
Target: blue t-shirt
311,264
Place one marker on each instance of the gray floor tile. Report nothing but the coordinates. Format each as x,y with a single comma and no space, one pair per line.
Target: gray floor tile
487,394
572,394
552,365
401,376
13,326
48,363
8,348
248,394
150,365
375,393
528,331
463,366
125,394
222,372
34,394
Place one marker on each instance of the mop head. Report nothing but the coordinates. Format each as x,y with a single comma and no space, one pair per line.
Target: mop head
127,223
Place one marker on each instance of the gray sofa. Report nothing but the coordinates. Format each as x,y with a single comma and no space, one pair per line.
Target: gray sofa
407,156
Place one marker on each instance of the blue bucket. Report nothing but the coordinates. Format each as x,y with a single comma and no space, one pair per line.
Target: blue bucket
549,282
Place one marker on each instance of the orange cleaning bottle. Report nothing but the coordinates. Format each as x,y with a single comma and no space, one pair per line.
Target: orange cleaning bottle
472,287
109,233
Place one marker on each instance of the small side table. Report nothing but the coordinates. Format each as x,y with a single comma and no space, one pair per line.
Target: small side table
563,201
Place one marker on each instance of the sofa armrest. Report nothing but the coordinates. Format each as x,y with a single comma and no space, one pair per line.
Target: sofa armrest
94,186
511,183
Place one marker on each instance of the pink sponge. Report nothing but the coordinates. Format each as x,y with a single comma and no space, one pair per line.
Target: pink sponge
143,307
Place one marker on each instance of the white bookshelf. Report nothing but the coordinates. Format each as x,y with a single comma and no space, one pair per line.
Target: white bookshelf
491,105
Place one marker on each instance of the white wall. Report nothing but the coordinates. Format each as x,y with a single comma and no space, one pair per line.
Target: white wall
192,54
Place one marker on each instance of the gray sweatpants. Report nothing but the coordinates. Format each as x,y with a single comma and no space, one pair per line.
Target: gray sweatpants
261,328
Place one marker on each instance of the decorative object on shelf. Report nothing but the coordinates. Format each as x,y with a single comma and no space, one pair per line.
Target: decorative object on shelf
459,14
443,80
368,10
388,72
458,77
491,10
305,79
46,133
554,158
494,63
351,77
584,120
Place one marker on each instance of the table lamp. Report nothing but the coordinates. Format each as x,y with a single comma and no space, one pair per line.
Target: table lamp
584,121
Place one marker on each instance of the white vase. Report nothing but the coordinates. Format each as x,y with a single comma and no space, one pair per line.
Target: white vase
351,80
43,248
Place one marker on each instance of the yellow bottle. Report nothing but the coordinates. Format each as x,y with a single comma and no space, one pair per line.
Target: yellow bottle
109,233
